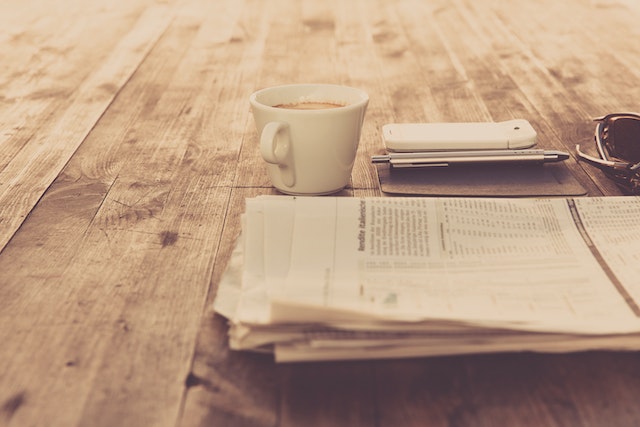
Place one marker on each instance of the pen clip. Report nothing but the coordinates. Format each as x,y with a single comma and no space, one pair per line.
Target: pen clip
403,165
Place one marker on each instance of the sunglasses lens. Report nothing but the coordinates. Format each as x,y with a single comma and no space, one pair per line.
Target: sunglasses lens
623,140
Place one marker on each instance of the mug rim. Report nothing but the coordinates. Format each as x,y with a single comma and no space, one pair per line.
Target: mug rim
363,98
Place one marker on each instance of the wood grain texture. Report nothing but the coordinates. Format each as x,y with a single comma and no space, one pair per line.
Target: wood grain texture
127,150
55,96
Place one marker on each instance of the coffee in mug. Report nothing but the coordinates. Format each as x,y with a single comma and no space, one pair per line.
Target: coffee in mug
308,105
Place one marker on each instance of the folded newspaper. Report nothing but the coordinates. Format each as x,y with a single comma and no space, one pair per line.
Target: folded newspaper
331,278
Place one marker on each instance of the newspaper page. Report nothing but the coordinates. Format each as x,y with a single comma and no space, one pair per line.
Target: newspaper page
612,229
528,263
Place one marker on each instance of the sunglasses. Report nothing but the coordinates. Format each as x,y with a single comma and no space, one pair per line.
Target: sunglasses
618,143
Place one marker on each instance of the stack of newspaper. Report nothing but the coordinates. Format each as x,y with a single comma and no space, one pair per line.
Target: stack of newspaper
327,278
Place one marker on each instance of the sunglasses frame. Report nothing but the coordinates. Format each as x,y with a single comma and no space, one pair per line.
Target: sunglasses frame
625,174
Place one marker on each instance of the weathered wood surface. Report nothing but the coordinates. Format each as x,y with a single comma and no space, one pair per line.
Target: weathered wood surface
126,152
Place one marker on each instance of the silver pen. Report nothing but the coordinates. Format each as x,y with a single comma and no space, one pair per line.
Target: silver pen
446,158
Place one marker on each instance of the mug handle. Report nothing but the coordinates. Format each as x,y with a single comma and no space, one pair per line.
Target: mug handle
275,147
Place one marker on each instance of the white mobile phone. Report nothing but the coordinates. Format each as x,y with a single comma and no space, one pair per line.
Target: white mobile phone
411,137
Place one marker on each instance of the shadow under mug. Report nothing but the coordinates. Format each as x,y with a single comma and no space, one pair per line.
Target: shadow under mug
309,151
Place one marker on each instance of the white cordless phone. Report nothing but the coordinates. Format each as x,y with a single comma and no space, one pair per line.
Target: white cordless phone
417,137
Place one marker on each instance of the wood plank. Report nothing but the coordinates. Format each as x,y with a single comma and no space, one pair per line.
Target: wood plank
226,387
147,192
70,101
512,389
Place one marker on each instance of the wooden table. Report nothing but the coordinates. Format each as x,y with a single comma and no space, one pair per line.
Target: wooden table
127,149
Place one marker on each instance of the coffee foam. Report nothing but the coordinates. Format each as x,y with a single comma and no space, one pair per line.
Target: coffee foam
319,97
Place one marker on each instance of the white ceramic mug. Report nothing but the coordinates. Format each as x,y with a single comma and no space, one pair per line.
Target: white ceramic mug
309,150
